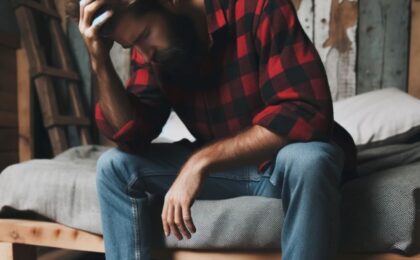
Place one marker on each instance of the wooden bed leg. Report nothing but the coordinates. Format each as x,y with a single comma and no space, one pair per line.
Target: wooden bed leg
12,251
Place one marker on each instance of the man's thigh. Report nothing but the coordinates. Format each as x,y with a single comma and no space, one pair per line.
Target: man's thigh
300,159
155,172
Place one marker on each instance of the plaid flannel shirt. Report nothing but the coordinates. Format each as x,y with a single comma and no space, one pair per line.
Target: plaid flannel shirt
266,70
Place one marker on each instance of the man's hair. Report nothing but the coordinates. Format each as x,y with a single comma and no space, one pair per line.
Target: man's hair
138,7
135,8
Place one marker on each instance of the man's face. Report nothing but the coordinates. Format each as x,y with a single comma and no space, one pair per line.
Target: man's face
168,40
147,34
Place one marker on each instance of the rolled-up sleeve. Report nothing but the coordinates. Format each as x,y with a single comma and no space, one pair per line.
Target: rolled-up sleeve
151,109
293,82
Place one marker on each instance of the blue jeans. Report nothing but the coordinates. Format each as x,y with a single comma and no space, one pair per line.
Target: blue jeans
305,175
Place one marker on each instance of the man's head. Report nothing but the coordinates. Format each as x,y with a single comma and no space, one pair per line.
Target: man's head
167,39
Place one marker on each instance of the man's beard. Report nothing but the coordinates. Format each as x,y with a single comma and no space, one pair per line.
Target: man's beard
179,64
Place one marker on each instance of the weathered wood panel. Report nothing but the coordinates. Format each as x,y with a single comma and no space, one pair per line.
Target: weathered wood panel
414,77
8,69
331,25
8,140
8,101
7,159
383,44
335,39
305,11
8,119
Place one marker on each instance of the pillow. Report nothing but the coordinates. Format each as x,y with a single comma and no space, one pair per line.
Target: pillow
379,117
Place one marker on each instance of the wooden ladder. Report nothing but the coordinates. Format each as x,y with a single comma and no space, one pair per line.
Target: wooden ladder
42,74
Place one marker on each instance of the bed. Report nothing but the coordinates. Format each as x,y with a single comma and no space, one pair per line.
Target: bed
379,208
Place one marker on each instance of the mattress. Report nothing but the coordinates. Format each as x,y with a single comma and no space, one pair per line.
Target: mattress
378,208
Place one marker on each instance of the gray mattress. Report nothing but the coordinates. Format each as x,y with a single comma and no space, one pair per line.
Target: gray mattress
378,208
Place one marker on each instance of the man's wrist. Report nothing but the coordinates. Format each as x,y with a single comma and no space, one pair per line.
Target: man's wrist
201,161
100,64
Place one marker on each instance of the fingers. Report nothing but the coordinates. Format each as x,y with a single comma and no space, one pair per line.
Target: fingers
165,224
82,5
100,20
179,222
176,219
171,222
89,8
186,214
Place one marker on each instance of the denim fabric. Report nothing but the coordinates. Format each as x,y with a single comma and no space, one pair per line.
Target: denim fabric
305,175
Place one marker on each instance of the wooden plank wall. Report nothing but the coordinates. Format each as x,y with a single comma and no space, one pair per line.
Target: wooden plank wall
414,76
332,26
8,100
365,45
383,44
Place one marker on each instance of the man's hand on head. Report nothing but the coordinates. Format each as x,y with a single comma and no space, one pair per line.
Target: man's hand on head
89,27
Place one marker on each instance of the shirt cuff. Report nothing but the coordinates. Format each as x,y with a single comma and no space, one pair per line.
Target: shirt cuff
124,134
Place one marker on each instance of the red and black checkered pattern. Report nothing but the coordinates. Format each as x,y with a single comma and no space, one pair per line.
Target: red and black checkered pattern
264,71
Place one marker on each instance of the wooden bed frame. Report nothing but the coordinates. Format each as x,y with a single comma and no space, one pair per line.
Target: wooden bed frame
19,238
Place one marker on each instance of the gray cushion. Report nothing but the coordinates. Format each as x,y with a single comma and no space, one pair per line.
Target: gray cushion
378,209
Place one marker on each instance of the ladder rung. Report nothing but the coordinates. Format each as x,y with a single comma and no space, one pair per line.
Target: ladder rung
37,6
58,73
66,121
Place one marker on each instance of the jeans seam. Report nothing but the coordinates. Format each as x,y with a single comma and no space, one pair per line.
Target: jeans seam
136,229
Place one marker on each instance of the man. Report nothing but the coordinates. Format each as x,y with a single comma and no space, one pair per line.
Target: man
249,85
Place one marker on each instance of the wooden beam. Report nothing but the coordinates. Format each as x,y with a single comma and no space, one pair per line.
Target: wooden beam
209,255
40,8
58,73
65,121
25,108
214,255
49,234
414,77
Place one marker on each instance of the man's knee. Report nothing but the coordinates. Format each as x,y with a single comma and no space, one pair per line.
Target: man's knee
310,161
110,165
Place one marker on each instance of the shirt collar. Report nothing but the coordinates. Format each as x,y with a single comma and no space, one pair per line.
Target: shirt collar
215,14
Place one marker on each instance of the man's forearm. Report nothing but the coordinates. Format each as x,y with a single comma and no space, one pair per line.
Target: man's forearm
251,146
112,97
